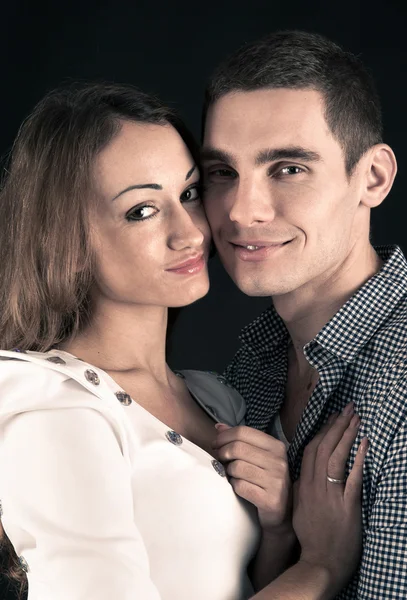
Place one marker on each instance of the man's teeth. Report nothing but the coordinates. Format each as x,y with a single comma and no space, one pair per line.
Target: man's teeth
252,247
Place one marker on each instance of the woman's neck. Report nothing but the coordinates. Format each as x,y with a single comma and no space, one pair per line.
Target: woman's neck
123,338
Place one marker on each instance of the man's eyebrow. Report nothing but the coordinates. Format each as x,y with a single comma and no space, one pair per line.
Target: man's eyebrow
140,186
289,153
208,153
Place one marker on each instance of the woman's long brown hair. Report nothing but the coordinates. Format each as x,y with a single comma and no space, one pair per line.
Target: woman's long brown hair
46,263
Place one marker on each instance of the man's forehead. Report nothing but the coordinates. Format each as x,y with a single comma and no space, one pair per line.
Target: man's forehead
264,107
263,120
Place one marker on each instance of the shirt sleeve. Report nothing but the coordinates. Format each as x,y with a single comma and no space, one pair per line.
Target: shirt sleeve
68,507
383,572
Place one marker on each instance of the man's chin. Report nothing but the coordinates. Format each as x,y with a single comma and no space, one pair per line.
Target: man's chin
252,287
261,286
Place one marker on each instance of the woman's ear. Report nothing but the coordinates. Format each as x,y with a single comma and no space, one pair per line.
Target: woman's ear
380,171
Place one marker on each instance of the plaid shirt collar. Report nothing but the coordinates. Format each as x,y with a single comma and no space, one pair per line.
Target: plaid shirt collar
349,329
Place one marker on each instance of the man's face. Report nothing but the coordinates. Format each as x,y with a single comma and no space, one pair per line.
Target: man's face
283,212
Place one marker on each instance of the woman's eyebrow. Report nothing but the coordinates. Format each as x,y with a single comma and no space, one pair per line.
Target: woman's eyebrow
139,186
150,186
190,173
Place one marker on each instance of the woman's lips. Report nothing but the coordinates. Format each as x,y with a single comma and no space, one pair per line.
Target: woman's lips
189,267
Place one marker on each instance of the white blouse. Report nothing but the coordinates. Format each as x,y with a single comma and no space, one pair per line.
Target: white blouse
102,501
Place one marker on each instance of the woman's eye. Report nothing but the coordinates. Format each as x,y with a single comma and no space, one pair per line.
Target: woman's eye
141,213
291,170
191,194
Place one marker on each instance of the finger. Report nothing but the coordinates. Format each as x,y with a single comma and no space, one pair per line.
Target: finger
238,450
250,492
329,423
353,487
339,457
310,452
325,428
240,469
330,441
252,436
276,506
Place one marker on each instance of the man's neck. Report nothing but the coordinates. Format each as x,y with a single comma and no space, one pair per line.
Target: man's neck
306,310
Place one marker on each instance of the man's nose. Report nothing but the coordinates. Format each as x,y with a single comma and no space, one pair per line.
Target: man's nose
251,203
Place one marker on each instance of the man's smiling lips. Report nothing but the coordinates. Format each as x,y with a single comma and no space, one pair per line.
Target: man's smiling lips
257,250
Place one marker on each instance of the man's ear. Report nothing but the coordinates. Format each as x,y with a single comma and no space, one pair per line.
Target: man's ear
380,170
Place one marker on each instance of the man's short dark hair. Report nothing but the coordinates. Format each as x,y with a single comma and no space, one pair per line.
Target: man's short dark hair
301,60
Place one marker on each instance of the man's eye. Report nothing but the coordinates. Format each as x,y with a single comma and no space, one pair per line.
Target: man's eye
222,173
141,213
291,170
191,194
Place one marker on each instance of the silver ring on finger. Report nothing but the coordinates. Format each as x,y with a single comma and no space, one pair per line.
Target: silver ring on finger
333,480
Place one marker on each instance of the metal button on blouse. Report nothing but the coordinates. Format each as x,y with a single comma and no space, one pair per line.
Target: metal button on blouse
23,564
174,437
57,360
123,397
219,468
92,377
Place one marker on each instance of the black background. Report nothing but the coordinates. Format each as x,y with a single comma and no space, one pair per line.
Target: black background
170,48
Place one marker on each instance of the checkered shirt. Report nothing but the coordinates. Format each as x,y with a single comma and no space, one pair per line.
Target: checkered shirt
360,355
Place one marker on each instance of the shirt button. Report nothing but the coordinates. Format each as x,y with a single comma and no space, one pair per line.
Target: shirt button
174,437
57,360
219,468
23,564
92,377
123,398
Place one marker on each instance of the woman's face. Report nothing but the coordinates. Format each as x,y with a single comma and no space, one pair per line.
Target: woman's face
150,233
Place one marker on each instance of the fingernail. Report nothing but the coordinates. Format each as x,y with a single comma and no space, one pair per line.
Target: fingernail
348,410
219,426
364,446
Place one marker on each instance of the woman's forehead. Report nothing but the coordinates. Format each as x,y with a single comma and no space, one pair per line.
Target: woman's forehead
142,153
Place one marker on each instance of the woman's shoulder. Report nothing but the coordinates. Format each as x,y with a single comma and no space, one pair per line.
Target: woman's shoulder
24,369
42,380
40,368
215,393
